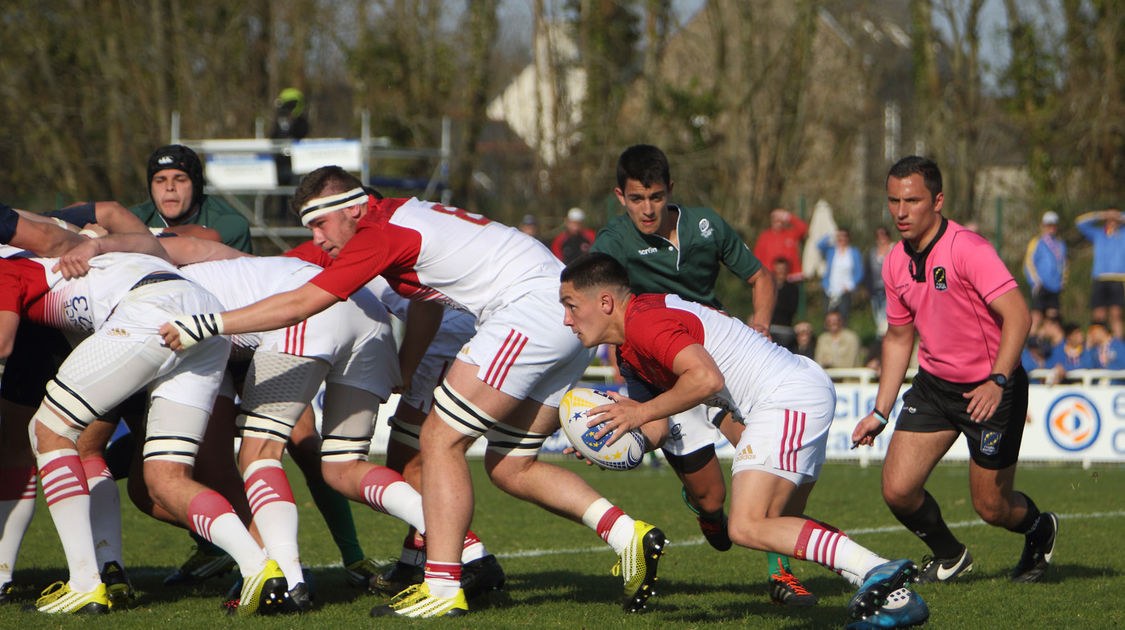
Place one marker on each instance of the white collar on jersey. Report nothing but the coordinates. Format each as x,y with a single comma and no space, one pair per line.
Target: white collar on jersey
315,208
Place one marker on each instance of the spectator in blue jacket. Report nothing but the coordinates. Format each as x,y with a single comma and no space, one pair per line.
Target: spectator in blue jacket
1107,296
1103,352
1044,265
845,271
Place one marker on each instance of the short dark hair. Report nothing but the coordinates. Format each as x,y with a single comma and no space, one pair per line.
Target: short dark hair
918,165
326,179
595,270
644,163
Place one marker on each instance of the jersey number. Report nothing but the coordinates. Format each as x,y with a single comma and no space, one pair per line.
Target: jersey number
461,214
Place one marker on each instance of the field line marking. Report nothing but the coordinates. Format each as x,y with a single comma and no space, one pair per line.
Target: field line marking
698,540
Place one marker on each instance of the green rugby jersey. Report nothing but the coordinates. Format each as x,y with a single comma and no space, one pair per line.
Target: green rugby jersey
657,266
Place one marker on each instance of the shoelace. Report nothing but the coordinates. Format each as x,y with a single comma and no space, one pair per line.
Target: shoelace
792,582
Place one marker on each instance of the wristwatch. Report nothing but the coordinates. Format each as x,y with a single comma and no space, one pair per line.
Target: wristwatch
999,379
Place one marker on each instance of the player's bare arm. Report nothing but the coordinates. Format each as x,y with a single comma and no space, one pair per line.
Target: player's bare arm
765,297
42,236
698,378
116,218
186,250
422,322
277,311
9,322
75,262
898,344
984,399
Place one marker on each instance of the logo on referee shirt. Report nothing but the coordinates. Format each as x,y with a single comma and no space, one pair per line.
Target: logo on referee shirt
939,279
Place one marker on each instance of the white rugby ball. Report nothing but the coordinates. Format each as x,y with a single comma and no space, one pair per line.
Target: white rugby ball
624,454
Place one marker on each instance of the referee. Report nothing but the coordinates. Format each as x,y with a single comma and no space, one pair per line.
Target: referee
948,284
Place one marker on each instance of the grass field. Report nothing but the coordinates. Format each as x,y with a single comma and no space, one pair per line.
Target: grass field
558,572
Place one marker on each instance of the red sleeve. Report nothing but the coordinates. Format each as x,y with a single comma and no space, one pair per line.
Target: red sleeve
800,227
662,333
557,243
375,249
12,292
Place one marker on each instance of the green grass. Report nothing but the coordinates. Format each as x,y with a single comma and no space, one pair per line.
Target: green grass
558,572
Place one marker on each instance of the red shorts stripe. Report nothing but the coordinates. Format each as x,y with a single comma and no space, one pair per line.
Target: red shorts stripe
511,361
492,367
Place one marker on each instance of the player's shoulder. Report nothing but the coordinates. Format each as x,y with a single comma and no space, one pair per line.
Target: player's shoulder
615,233
215,208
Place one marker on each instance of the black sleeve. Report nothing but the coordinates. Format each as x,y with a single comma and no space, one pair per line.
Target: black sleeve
78,215
8,220
639,389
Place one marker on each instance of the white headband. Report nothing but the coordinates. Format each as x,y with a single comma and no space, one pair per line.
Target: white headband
321,206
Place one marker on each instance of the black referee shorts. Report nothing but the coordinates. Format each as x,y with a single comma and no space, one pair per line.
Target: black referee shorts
934,404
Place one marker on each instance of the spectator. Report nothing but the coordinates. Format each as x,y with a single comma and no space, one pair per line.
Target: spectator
1103,351
785,308
806,342
782,240
175,187
837,347
1106,295
1068,354
575,240
874,276
289,123
530,226
1044,266
1036,354
845,271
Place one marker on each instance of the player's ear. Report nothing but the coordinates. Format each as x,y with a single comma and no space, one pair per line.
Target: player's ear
607,302
620,195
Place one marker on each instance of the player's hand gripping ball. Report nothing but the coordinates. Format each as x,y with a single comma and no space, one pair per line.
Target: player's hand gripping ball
624,454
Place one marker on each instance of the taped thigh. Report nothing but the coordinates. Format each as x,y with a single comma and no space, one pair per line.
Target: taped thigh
348,423
278,387
505,439
96,377
405,433
456,410
173,431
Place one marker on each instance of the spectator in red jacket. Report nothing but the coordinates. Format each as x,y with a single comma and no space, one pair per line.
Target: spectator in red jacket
575,240
782,240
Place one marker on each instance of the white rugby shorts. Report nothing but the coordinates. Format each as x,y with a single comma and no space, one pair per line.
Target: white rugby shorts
524,350
191,377
691,430
787,434
353,336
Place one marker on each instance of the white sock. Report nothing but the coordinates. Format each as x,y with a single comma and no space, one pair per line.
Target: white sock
613,525
275,514
105,511
386,491
68,501
17,506
212,517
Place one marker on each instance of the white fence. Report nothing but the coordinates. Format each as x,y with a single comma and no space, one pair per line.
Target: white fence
1080,419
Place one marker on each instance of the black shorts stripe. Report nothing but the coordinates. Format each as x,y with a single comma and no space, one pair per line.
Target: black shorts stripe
73,394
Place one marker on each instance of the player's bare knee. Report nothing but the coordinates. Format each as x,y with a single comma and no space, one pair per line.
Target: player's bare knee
992,510
253,450
165,480
744,532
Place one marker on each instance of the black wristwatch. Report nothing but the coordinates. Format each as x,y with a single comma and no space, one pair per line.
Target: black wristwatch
999,379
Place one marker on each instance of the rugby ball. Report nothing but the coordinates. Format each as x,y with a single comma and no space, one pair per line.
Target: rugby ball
625,454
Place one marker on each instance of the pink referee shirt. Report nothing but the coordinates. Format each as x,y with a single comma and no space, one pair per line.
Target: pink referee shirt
959,336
